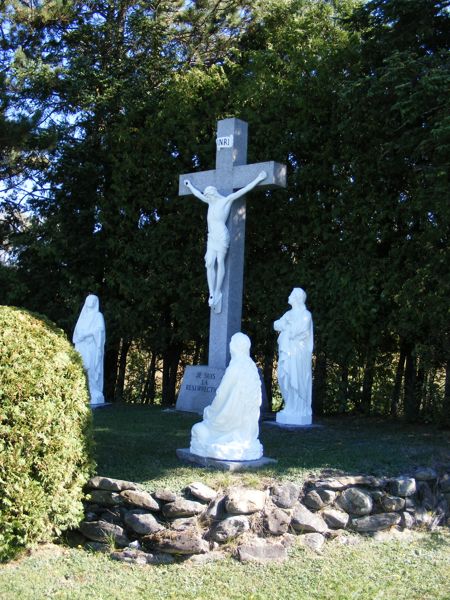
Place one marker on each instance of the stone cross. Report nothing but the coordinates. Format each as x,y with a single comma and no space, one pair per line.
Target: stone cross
231,173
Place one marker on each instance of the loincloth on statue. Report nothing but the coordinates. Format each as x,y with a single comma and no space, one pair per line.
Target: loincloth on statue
218,243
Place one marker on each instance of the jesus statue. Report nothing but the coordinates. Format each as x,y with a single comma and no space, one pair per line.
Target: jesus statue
218,235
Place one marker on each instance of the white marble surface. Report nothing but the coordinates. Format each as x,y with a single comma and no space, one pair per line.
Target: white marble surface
295,345
230,427
89,340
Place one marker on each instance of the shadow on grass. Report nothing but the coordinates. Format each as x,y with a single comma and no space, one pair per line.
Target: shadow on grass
139,443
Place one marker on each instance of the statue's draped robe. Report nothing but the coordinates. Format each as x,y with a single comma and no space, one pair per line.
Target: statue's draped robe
295,345
89,340
230,427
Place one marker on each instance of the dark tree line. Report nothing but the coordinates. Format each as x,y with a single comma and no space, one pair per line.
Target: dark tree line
103,105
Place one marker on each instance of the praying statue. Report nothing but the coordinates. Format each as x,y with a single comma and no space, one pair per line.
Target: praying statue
218,235
230,428
295,345
89,340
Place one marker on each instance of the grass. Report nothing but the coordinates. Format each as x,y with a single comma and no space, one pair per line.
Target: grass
139,443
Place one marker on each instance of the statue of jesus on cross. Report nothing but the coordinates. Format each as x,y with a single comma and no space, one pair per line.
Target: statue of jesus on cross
219,207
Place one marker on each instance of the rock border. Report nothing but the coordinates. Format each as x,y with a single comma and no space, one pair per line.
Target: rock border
202,524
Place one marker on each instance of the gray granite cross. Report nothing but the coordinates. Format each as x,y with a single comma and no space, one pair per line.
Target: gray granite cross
231,173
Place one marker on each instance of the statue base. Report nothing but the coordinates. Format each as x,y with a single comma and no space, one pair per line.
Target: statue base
185,455
285,418
290,427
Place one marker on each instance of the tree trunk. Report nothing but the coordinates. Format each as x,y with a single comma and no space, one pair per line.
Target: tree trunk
171,358
122,367
319,390
395,398
343,389
148,393
268,375
111,360
366,397
410,401
446,402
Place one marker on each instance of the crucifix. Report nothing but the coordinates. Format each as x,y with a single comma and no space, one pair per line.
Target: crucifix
223,189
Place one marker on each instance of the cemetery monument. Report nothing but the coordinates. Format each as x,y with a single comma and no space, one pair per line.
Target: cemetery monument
230,428
89,340
295,345
225,252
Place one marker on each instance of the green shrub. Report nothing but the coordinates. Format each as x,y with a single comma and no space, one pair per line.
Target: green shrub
45,431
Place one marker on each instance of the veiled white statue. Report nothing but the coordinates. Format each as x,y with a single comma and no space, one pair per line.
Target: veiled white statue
89,340
218,235
295,345
230,428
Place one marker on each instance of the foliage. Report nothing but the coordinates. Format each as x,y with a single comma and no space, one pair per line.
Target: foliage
45,431
114,100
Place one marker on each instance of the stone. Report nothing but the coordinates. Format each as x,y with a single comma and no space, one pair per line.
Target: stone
241,501
444,483
328,496
376,522
141,522
335,519
184,523
313,541
313,500
407,521
176,542
229,528
203,559
402,486
201,491
110,485
165,495
105,498
343,482
285,495
182,508
102,531
304,521
295,345
230,428
392,503
113,515
89,340
410,503
425,474
355,501
277,521
261,551
101,547
425,496
139,499
288,540
138,557
185,455
216,510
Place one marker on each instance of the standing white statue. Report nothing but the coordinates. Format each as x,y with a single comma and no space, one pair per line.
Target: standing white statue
218,235
89,340
230,428
295,345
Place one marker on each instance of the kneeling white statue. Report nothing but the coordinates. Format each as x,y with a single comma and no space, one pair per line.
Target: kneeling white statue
89,340
230,428
295,345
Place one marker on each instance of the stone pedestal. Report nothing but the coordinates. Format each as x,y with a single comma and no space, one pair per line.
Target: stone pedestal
284,418
185,455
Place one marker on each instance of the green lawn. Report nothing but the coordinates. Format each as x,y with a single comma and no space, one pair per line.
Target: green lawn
138,443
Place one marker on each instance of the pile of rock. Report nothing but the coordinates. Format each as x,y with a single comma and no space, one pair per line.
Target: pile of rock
254,525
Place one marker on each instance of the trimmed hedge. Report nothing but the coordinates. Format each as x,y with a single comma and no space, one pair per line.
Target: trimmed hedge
45,431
